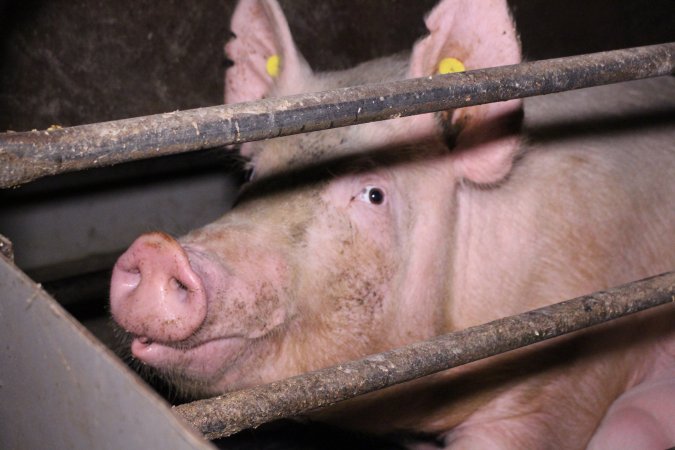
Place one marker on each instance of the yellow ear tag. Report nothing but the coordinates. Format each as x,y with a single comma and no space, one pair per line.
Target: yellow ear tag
272,65
450,65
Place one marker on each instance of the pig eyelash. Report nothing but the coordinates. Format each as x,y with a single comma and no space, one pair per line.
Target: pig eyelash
373,195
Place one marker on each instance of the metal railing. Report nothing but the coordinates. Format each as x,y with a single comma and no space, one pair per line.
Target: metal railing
25,156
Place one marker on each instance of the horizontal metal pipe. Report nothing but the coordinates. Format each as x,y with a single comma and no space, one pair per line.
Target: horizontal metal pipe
25,156
227,414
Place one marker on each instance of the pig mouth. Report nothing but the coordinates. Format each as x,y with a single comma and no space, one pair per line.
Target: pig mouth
202,360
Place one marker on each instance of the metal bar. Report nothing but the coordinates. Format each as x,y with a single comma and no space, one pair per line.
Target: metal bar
227,414
25,156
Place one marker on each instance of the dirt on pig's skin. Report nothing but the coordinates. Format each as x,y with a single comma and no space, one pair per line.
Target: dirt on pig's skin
352,241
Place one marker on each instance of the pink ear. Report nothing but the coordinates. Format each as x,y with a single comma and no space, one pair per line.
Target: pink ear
480,33
261,31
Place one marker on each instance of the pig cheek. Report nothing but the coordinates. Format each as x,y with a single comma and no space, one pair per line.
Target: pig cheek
346,288
357,300
246,280
246,311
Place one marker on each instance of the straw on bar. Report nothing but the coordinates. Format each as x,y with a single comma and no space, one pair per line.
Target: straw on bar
25,156
227,414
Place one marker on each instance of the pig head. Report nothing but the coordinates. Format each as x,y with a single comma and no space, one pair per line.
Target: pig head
330,269
352,241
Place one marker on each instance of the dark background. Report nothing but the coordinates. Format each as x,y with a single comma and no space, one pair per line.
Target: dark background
72,62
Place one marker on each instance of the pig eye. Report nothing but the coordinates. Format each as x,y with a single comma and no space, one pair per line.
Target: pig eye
372,194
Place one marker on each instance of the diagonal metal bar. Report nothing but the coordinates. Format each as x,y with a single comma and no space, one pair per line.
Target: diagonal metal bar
233,412
25,156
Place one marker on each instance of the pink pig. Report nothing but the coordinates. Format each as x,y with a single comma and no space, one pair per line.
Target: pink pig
394,232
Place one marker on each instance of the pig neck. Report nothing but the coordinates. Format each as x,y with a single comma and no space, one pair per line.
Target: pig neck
495,267
506,247
542,236
561,225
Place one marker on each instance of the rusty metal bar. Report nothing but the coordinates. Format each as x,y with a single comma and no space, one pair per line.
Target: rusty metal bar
227,414
25,156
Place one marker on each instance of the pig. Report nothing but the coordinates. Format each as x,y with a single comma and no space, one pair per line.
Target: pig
352,241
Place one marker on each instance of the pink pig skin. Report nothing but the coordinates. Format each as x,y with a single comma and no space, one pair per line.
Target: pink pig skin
442,222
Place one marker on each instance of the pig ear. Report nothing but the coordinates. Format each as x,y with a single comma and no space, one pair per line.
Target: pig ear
262,51
478,34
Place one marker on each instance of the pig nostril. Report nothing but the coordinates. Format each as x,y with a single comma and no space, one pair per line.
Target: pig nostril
178,285
130,278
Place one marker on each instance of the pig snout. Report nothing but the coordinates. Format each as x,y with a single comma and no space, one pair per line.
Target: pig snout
155,294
